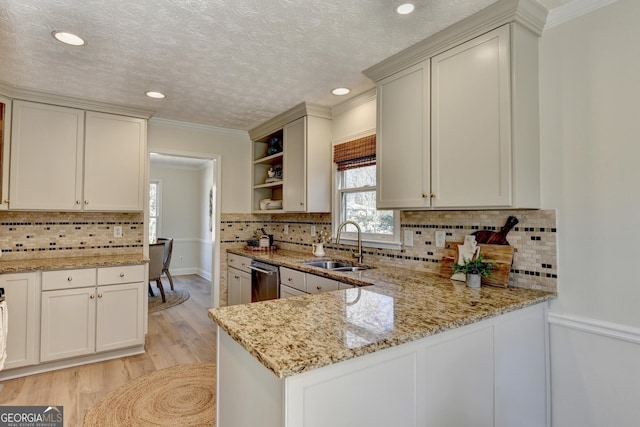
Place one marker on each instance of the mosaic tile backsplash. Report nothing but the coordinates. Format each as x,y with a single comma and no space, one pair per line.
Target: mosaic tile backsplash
534,240
25,235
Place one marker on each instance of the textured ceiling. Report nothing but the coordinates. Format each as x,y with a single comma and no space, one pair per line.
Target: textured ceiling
226,63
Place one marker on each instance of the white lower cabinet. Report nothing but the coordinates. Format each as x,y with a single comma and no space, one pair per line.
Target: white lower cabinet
490,373
239,287
238,279
88,311
294,283
286,292
21,294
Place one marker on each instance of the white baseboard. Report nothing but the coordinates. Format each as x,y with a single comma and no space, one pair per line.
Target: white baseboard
598,327
184,271
206,275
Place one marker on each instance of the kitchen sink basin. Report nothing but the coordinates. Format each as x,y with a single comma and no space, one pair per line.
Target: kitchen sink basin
336,265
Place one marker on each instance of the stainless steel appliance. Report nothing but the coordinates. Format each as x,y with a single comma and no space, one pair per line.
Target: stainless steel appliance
265,281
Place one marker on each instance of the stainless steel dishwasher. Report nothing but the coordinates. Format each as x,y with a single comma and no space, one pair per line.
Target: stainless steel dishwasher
265,281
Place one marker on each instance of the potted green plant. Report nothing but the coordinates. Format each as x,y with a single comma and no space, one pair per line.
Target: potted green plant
475,269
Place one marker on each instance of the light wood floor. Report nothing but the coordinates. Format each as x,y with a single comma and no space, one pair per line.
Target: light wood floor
178,335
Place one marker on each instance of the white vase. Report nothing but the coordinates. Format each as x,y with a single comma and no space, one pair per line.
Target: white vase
318,249
474,280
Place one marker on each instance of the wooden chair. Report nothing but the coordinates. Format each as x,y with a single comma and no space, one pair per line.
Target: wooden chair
166,260
156,256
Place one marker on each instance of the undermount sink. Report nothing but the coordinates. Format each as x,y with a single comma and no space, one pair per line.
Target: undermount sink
336,265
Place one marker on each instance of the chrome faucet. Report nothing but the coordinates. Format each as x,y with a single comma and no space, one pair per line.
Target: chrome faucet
358,254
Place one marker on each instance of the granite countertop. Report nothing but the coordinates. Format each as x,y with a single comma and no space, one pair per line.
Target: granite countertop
389,306
22,265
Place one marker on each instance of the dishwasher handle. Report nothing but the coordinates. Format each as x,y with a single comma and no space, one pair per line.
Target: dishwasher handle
261,270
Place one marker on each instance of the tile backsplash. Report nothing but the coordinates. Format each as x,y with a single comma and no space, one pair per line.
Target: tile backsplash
534,240
35,234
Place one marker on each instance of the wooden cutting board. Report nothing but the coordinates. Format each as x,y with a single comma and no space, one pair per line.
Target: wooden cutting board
502,255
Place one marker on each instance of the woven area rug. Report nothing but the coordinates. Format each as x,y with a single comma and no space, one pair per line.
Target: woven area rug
183,395
175,297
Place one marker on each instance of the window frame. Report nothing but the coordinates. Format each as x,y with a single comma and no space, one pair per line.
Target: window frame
158,217
369,240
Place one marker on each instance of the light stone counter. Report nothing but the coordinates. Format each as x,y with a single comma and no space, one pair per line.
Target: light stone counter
390,306
23,265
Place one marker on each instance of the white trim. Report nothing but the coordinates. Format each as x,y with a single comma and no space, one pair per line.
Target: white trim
195,126
356,101
598,327
573,10
351,137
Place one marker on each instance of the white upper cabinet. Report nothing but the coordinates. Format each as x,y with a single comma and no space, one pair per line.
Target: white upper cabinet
458,120
5,138
471,123
114,162
62,160
402,150
46,157
303,164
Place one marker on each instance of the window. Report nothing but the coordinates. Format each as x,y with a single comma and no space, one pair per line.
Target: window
356,196
154,210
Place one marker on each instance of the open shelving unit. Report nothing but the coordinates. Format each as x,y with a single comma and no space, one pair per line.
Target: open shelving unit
262,162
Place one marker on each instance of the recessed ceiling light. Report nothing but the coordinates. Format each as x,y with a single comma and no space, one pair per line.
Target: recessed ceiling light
405,9
154,94
68,38
340,91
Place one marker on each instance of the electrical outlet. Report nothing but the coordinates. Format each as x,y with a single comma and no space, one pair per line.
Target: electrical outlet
117,231
313,230
440,238
408,237
286,229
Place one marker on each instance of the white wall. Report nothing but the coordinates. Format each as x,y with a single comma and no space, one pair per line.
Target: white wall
354,116
181,207
207,219
590,154
233,147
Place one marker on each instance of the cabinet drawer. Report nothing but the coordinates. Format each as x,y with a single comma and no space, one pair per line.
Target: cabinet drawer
317,284
67,279
120,274
293,278
238,261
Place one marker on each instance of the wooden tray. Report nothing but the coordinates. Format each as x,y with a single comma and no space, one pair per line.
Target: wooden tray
260,248
502,255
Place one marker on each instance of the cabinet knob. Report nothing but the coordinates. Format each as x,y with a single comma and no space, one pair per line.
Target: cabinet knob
77,202
86,202
237,277
433,195
92,296
6,201
99,295
301,203
289,279
69,279
121,274
319,288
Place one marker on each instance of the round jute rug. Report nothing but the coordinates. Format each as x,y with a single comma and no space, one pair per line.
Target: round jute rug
183,395
175,297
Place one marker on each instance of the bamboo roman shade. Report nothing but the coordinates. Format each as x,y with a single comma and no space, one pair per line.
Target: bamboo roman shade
356,153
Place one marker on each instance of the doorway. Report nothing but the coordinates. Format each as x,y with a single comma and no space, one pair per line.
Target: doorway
187,203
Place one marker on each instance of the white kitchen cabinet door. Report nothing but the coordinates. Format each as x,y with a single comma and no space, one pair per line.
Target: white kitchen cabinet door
238,287
68,323
46,157
21,292
5,152
115,149
317,284
471,123
286,292
402,151
293,278
294,166
120,316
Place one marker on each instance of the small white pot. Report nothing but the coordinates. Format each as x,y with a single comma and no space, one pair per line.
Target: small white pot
474,280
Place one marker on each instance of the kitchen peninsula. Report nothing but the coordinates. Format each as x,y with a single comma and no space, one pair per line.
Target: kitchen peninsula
400,348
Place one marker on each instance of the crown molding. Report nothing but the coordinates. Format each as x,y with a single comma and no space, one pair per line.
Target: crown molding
294,113
573,10
195,126
73,102
528,13
354,102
